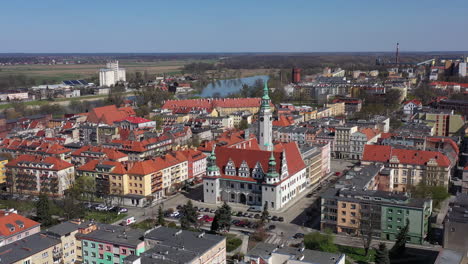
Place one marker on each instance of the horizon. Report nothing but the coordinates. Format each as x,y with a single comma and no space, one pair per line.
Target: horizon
232,27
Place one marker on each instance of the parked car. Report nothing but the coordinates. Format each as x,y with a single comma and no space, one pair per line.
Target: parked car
337,173
174,214
201,209
101,207
281,219
128,221
298,235
309,195
271,227
207,210
239,214
245,214
207,218
250,215
255,208
212,211
200,216
257,216
274,218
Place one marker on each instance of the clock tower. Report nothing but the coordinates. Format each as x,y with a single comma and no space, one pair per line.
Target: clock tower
265,122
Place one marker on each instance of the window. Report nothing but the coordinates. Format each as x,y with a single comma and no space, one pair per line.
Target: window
399,212
45,254
93,245
124,251
343,205
389,227
353,221
233,196
85,253
343,212
390,211
398,220
390,219
353,214
101,256
343,220
93,254
27,261
353,206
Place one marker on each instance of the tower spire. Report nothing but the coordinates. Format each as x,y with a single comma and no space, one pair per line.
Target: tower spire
265,126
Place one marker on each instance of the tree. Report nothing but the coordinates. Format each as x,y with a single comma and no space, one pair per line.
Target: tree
321,242
161,220
399,247
43,210
265,214
381,255
243,124
84,187
436,193
215,224
189,216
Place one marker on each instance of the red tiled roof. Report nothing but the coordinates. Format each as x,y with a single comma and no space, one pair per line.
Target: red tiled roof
414,101
144,168
379,153
58,164
465,85
109,114
369,132
283,121
209,104
252,156
91,166
14,220
111,154
136,120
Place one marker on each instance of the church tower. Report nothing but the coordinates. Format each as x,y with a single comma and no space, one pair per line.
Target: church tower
265,122
211,185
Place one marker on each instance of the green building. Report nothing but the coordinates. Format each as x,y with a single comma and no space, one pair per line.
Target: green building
394,217
110,244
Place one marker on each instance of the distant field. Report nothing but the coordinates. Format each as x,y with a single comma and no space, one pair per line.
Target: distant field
75,71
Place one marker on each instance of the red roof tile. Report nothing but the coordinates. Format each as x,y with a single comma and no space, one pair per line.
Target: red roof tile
58,164
379,153
14,220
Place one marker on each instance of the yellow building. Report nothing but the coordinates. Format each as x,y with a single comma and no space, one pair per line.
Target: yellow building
3,162
337,109
36,249
446,124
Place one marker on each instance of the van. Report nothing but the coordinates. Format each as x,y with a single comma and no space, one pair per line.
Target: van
128,221
255,208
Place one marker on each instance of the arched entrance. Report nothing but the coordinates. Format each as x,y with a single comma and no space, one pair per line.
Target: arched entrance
242,198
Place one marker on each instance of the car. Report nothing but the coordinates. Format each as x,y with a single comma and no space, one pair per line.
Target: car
250,215
281,219
298,235
128,221
35,199
271,227
200,216
207,218
207,210
213,211
174,214
233,213
234,222
337,173
101,207
274,218
245,214
270,217
15,196
257,216
122,210
239,214
310,195
201,209
110,208
255,208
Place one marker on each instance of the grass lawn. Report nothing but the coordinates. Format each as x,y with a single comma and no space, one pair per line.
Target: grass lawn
232,242
21,206
146,224
104,217
357,254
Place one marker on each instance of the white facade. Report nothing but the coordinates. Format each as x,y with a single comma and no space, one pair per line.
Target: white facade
111,74
265,123
462,69
14,96
409,108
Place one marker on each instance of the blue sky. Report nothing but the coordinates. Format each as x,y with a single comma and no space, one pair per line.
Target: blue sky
232,25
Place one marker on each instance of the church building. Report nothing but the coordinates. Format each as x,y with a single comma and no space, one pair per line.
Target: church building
257,172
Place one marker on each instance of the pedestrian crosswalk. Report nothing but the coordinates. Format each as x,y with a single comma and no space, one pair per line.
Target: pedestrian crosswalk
276,239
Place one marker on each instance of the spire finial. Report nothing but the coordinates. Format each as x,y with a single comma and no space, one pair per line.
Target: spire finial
265,91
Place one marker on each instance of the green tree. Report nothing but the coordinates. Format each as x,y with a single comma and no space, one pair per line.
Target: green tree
215,224
321,242
43,210
223,216
161,220
84,188
436,193
189,216
381,254
265,214
399,247
243,124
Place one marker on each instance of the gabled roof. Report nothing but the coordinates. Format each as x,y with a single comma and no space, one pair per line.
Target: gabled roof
118,168
252,156
370,132
379,153
58,164
144,168
414,101
109,114
12,223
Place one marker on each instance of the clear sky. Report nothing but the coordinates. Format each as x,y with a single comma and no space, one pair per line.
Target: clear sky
232,25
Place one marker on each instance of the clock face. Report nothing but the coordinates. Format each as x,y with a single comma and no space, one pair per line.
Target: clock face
261,119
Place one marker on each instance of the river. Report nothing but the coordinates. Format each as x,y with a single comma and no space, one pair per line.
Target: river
230,86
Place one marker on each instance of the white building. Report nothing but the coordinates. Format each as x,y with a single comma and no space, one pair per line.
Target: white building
410,107
112,74
462,69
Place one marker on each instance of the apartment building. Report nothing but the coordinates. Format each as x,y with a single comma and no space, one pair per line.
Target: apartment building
342,148
411,166
445,122
358,204
181,246
35,249
87,153
196,163
110,243
14,227
34,174
3,162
